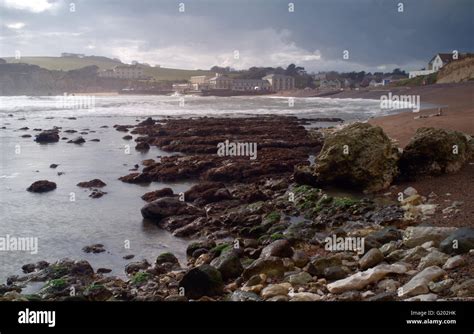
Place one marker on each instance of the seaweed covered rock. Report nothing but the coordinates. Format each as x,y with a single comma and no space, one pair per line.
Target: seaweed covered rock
435,151
202,281
359,155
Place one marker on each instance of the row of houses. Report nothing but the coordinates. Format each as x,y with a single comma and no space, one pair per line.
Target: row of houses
328,82
272,82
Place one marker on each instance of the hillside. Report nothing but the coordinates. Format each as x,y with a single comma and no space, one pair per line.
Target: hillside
70,63
458,71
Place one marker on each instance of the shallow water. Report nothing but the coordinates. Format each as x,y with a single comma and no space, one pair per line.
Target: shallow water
63,226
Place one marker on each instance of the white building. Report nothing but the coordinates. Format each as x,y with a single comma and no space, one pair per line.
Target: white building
220,82
434,65
280,82
123,72
251,85
439,61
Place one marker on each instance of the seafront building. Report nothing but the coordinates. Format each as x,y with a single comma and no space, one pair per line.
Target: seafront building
437,62
280,82
123,72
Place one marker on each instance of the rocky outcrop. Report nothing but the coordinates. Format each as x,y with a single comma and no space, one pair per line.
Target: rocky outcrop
359,155
435,151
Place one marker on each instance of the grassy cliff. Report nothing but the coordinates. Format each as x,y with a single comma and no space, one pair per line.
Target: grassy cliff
70,63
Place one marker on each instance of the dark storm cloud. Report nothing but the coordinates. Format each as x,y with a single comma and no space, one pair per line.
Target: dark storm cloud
264,32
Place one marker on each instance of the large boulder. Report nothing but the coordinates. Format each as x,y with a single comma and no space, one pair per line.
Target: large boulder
419,283
202,281
166,207
460,241
417,235
359,155
435,151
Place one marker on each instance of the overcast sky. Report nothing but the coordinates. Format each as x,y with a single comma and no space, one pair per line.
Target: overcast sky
264,32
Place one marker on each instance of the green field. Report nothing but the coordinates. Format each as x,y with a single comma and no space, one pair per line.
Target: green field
68,63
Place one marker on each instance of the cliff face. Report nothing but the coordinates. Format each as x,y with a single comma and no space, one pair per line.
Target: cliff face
24,79
458,71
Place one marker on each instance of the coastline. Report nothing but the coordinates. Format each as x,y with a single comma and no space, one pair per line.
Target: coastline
456,101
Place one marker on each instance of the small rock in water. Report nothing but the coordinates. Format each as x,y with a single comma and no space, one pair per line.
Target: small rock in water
96,248
41,186
77,140
53,165
95,183
128,257
204,280
104,270
278,248
96,193
48,136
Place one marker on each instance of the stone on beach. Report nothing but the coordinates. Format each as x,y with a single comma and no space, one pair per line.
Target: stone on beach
458,242
168,206
204,280
278,248
434,151
371,258
363,278
419,283
359,155
418,235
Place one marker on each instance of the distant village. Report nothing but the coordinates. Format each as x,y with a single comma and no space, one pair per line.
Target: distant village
142,78
269,80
